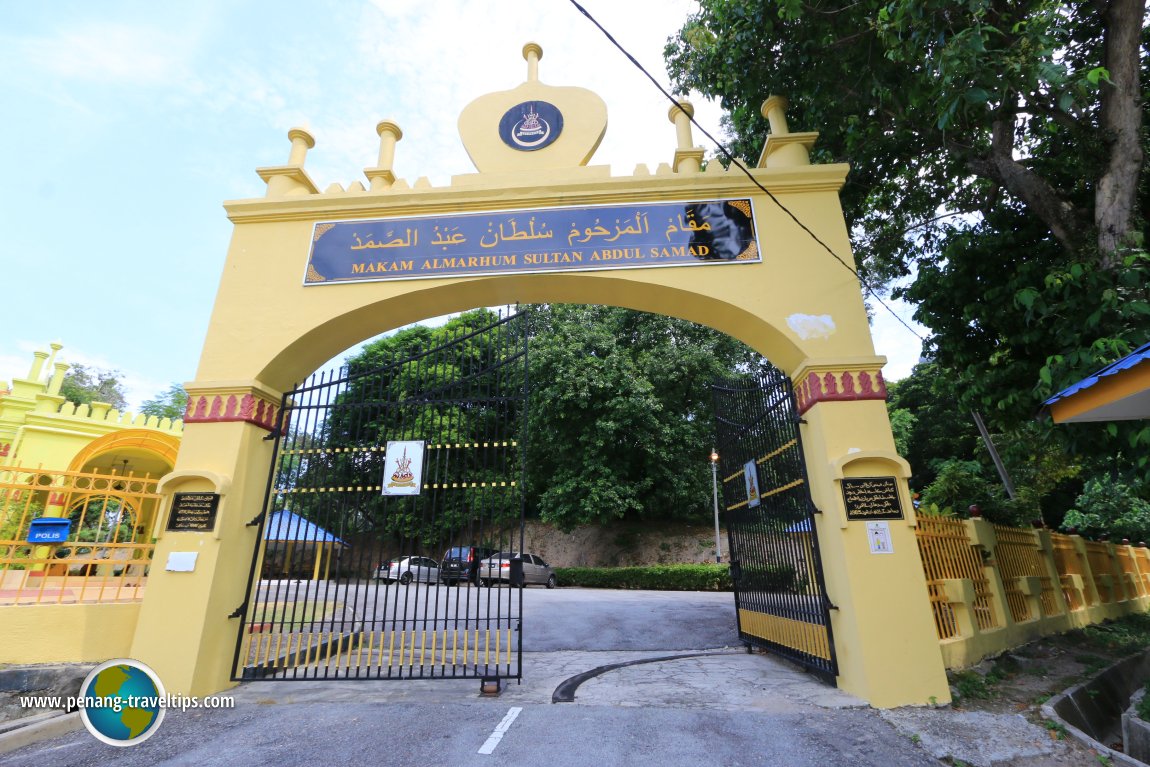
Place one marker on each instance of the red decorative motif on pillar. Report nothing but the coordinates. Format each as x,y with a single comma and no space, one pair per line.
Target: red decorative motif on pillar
848,385
839,386
56,499
4,449
227,408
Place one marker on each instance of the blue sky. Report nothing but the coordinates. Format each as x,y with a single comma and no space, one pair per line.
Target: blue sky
127,124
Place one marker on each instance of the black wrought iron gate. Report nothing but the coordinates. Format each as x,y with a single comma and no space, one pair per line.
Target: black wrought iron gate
780,595
377,474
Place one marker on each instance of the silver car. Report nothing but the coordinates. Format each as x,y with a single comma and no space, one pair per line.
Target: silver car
497,570
409,569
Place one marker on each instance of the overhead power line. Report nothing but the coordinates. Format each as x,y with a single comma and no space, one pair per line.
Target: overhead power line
735,161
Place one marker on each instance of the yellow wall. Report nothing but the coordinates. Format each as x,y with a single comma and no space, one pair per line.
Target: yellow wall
67,633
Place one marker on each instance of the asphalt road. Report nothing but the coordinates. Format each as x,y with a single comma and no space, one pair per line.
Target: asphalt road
725,708
560,619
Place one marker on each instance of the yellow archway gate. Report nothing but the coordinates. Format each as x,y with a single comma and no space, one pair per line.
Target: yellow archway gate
310,274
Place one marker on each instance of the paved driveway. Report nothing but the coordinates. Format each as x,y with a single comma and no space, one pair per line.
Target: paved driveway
724,708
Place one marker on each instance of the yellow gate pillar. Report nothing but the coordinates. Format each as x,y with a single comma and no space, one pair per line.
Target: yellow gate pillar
888,652
198,576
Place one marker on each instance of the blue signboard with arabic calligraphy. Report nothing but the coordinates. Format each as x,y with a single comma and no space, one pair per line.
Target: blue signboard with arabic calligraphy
553,239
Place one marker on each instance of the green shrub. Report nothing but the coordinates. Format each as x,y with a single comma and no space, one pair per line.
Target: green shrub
1112,507
704,577
958,484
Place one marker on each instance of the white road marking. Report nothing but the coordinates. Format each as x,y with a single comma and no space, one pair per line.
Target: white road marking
500,730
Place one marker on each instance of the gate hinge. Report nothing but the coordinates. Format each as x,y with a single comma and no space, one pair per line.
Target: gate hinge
801,420
239,611
273,434
256,519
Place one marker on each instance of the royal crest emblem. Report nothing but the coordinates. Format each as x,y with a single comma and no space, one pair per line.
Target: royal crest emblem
403,471
530,126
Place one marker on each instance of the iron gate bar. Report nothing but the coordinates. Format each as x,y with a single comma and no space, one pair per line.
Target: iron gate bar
328,457
780,593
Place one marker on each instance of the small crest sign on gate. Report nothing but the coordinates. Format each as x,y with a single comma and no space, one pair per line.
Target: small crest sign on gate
403,468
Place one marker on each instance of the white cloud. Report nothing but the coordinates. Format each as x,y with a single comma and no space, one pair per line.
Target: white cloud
106,52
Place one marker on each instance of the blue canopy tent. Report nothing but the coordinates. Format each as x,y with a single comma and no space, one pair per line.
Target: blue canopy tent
288,528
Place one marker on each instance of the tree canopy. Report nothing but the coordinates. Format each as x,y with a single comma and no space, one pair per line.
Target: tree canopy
997,153
619,423
168,404
85,385
621,416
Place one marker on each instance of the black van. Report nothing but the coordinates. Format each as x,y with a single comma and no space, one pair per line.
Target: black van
462,564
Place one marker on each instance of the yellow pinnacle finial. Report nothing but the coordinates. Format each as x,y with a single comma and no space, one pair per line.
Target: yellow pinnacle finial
301,141
532,52
680,115
774,109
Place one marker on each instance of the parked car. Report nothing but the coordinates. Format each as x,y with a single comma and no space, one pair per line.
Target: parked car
461,563
409,569
497,569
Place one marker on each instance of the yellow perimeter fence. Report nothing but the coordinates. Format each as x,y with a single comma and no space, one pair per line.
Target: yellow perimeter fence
108,549
993,587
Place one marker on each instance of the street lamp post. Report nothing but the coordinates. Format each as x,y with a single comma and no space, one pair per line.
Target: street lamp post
715,495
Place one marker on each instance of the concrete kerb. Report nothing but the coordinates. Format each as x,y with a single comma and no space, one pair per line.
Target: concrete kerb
33,729
1099,703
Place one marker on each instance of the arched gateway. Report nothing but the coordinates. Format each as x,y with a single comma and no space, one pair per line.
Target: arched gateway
312,273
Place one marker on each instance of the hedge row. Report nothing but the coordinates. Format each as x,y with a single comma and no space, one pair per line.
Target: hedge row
704,577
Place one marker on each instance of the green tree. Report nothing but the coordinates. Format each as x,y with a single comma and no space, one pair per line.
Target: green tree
169,404
939,428
997,153
621,415
441,385
85,385
1110,507
619,424
942,107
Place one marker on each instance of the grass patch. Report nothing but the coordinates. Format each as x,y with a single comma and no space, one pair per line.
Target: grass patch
1125,635
293,615
1057,730
971,684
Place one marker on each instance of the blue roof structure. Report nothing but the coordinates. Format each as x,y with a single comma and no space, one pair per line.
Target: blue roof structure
289,526
1135,358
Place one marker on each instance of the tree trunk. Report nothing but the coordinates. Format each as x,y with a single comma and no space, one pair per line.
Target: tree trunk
1121,123
1043,200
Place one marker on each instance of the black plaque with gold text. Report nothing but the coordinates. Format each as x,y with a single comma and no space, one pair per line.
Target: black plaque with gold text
871,498
194,512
